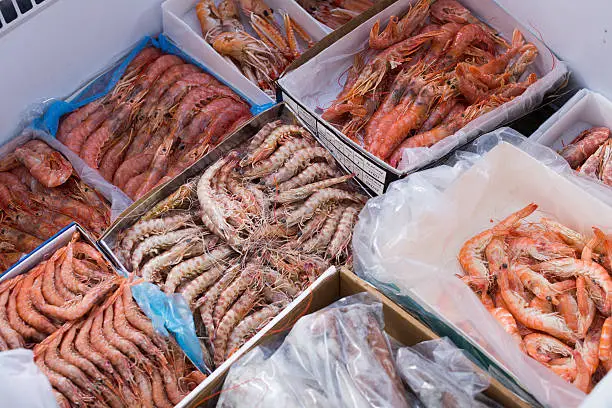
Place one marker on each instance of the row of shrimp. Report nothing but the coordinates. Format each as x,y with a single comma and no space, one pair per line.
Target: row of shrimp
261,56
335,13
248,235
428,74
39,195
62,289
161,117
550,288
113,357
590,153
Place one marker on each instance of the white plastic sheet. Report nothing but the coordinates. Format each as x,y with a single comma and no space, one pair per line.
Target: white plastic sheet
328,66
410,237
22,384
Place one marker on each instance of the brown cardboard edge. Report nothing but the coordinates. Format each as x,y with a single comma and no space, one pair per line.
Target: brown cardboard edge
398,323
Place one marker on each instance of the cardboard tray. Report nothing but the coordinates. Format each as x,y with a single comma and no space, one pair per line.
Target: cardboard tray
328,61
182,26
399,324
238,138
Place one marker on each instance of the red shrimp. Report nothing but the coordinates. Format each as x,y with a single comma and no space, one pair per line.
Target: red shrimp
398,31
76,138
113,158
11,336
24,305
584,145
74,119
115,124
45,164
138,163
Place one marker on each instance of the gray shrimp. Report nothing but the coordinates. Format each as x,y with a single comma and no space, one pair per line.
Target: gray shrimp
301,193
314,172
299,160
152,245
317,200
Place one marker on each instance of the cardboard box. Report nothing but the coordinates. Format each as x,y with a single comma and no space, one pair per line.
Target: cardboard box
399,324
307,96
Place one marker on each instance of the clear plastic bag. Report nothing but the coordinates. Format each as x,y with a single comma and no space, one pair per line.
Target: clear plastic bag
441,375
336,357
22,384
406,242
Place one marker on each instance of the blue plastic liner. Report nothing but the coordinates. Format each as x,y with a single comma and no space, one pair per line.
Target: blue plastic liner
171,315
105,83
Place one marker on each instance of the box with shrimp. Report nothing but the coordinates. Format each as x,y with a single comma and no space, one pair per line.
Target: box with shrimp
148,117
417,80
90,328
44,189
249,42
580,133
244,231
535,288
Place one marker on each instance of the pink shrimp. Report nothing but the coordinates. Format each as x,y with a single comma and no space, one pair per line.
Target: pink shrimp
605,344
507,321
471,255
584,145
397,31
45,164
532,318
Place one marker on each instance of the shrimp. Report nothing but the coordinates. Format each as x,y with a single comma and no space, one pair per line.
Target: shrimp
317,200
48,166
271,35
568,267
278,158
197,286
342,236
550,352
300,160
314,172
208,15
249,326
586,306
192,267
471,255
536,283
532,318
276,137
507,321
152,245
259,138
397,31
605,344
584,145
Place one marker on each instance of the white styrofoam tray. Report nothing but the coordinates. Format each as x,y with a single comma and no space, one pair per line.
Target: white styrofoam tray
181,24
329,65
586,109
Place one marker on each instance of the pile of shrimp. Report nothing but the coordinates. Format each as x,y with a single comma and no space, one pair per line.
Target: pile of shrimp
39,195
550,288
428,74
335,13
247,236
62,289
261,57
162,116
113,357
590,154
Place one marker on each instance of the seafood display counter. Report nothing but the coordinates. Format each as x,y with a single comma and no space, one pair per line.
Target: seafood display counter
417,80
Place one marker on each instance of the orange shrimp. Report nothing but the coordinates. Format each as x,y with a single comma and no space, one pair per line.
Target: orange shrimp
583,373
542,305
605,344
532,318
453,122
398,30
536,283
586,307
507,321
568,267
568,309
544,348
471,255
405,119
467,35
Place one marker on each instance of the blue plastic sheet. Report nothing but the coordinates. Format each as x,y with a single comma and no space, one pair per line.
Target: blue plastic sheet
102,85
171,315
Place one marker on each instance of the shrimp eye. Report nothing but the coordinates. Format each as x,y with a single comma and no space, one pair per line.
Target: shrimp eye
548,298
504,266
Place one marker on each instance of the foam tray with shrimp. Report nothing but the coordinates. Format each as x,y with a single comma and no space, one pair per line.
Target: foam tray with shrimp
157,114
89,336
244,231
423,77
41,194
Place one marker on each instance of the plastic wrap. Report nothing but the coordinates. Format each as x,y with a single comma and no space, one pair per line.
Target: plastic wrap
328,66
336,357
22,384
441,375
406,242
